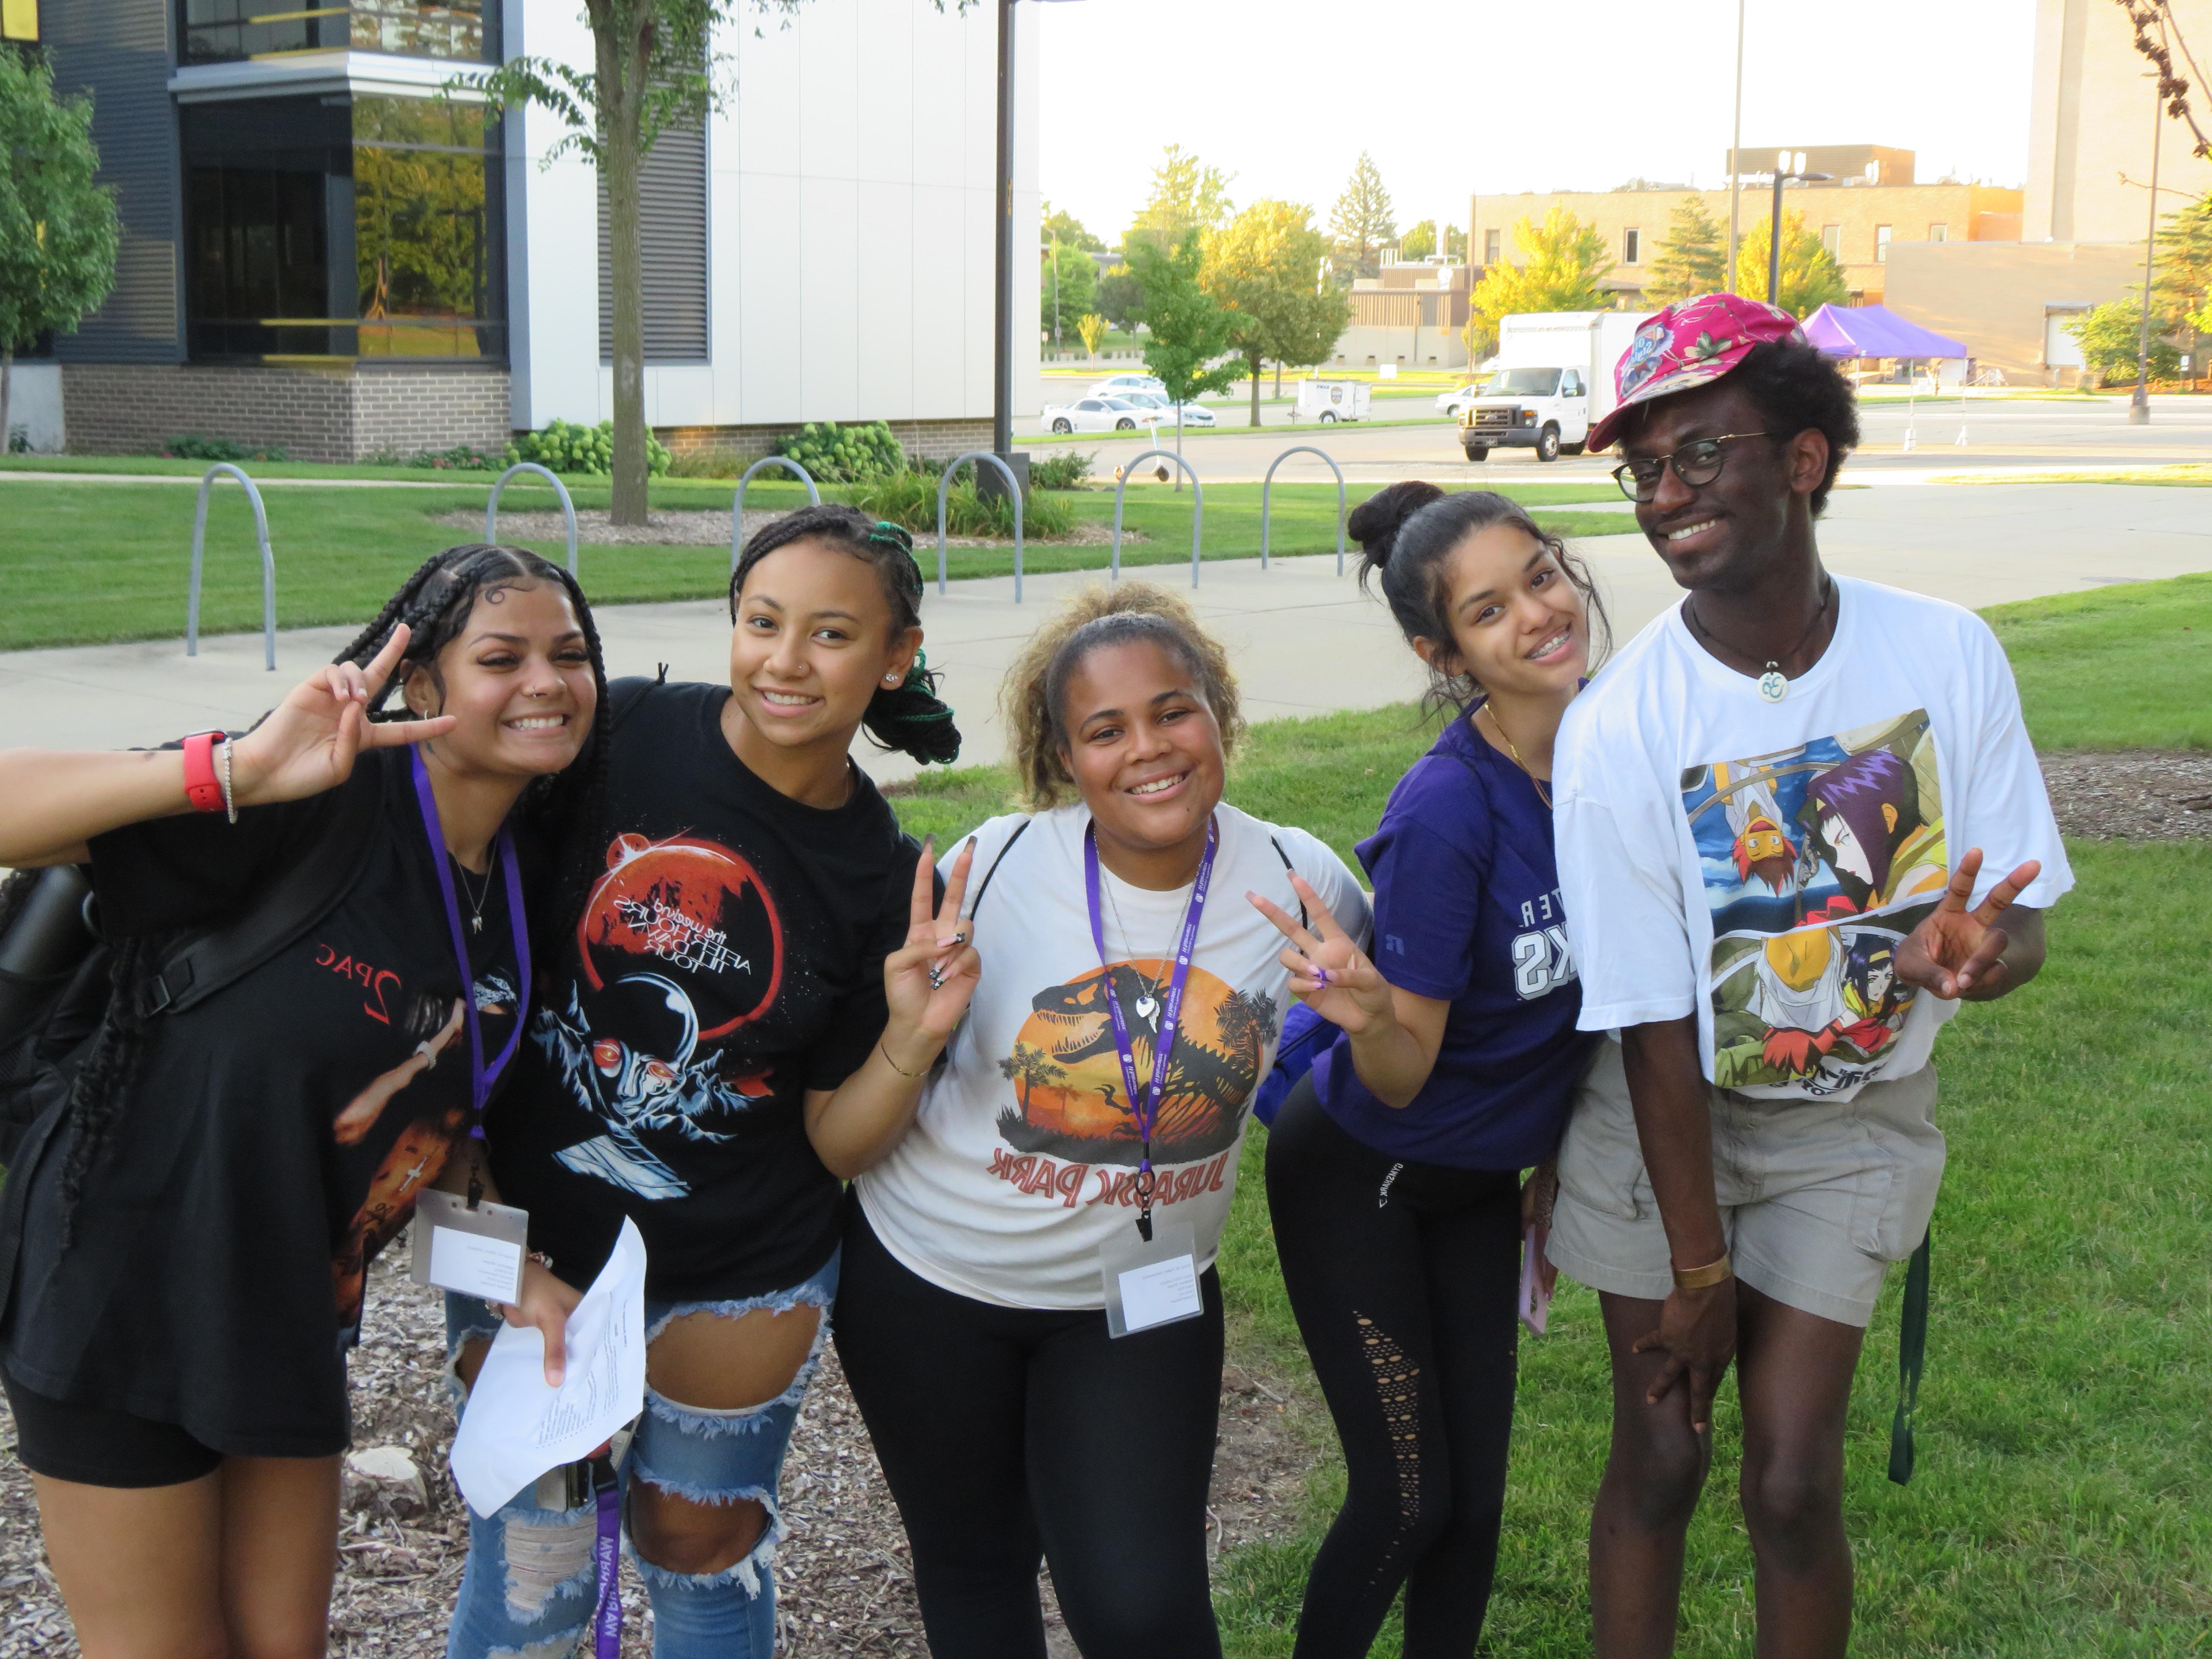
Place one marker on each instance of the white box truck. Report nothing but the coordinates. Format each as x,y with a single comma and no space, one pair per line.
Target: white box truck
1554,382
1330,401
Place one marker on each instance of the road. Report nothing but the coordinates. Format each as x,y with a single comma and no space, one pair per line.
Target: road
1304,640
2032,435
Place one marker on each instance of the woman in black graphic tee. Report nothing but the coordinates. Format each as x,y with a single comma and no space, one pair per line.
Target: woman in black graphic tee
738,1017
184,1232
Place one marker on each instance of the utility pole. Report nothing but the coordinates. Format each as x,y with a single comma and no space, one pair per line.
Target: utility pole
1735,150
1002,376
2139,406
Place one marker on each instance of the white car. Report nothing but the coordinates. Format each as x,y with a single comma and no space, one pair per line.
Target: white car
1100,414
1451,402
1193,414
1114,385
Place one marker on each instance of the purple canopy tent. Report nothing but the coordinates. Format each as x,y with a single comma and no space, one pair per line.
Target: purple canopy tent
1875,331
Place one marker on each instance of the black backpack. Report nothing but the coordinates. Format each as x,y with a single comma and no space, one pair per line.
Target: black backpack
56,978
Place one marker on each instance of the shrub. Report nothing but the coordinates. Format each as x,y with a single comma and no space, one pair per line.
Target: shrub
845,454
192,447
461,457
565,446
1065,469
910,498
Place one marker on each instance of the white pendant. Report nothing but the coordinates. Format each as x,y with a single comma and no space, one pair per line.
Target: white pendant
1146,1008
1773,686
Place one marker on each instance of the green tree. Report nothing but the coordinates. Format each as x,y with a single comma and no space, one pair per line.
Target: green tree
1811,278
1061,226
2182,291
1121,298
1265,267
58,230
1363,223
1092,328
1067,287
2110,334
1188,329
1420,242
1187,195
1564,269
1693,260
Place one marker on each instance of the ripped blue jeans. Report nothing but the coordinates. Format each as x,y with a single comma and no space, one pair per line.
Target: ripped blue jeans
528,1588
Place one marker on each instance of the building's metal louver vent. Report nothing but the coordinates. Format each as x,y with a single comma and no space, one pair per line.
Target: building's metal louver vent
673,208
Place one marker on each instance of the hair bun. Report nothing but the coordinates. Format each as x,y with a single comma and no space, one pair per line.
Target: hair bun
1375,523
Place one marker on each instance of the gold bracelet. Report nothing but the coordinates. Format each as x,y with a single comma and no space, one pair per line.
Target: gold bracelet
1699,1278
896,1067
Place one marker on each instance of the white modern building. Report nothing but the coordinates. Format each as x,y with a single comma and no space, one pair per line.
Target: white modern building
319,252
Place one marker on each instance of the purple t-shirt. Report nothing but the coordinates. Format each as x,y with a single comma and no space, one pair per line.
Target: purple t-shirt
1468,911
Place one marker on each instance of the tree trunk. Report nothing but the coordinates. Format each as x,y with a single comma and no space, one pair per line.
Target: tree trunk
6,374
1257,367
1279,377
621,65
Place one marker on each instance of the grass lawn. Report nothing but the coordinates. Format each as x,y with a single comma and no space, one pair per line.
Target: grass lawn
93,562
2061,1421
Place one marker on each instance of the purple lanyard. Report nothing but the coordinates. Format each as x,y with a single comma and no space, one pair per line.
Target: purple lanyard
481,1077
606,1615
1145,1105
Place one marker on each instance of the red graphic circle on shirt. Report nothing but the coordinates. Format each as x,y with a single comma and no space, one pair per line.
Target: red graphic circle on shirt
695,911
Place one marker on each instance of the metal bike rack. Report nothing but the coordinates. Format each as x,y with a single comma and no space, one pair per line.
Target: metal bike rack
1197,511
568,507
1013,489
737,505
222,468
1266,482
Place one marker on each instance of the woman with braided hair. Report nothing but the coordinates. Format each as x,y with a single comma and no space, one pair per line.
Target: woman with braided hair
185,1230
738,1017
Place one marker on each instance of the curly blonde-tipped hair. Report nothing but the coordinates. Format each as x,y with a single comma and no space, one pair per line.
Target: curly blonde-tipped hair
1029,701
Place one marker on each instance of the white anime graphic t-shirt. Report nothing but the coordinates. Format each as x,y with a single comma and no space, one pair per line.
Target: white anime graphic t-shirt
1022,1159
1762,862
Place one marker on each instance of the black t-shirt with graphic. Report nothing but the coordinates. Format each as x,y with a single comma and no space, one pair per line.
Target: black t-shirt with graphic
272,1138
729,960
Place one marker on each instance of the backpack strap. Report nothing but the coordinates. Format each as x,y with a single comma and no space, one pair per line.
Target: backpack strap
1020,830
202,963
1304,920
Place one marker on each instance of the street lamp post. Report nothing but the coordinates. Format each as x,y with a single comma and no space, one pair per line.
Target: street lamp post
2139,405
1735,154
1002,354
1783,172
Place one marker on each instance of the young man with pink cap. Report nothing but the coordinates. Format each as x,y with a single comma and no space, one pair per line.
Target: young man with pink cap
1758,805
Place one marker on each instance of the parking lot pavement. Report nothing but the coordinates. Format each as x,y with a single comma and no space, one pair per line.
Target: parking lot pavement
1304,640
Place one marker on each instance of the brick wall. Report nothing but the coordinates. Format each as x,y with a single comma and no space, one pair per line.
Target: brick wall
320,413
741,445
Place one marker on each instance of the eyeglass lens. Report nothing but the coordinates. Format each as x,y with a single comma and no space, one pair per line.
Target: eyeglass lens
1694,464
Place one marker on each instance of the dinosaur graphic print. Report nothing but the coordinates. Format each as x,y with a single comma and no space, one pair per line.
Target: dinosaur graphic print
1069,1097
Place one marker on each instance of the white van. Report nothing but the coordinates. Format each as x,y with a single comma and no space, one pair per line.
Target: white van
1552,383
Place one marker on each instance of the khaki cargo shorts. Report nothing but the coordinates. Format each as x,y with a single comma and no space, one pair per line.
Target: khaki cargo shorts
1817,1197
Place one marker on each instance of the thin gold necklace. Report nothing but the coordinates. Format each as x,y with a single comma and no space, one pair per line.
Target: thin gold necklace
1543,794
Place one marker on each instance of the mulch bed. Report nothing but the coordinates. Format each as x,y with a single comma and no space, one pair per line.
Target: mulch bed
845,1584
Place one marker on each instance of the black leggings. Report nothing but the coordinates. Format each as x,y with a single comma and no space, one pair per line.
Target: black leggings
1404,1278
1010,1435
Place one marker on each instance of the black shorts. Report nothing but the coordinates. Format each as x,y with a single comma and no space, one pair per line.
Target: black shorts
99,1446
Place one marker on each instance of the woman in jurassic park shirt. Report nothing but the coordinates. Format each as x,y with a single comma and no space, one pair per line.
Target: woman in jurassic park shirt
1030,1318
187,1224
740,1014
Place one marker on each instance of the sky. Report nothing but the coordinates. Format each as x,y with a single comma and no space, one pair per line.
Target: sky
1454,97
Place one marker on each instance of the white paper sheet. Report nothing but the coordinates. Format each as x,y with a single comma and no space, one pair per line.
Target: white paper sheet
1160,1292
515,1428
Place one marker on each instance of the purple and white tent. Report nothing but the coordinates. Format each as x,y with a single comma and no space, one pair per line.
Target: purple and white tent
1875,331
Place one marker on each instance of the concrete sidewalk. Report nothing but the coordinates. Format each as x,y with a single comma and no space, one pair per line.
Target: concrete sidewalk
1304,641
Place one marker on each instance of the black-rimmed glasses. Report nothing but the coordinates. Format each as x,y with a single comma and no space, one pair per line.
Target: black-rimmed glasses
1694,464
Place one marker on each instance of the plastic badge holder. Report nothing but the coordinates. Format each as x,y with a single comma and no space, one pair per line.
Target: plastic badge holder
1535,1301
476,1252
1148,1284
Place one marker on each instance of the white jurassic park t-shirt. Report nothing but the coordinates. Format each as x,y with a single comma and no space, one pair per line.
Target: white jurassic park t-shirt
1022,1159
1761,862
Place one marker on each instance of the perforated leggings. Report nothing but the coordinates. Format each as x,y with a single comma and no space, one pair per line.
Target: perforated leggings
1403,1278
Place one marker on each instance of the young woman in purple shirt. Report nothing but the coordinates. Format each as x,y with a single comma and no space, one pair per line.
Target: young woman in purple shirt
1393,1168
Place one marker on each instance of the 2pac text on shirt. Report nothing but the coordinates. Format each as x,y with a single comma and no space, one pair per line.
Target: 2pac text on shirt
375,980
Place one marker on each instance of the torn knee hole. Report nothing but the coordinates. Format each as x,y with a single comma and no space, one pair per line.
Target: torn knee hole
544,1561
695,1535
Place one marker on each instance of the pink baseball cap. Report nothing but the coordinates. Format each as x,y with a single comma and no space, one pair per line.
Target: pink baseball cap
1692,343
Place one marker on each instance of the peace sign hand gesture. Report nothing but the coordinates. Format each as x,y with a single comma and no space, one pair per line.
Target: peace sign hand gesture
310,741
1957,952
1328,972
928,980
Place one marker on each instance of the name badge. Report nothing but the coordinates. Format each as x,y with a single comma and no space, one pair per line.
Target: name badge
476,1252
1151,1284
1535,1301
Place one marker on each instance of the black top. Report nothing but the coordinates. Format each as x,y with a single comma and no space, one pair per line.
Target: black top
274,1138
730,960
